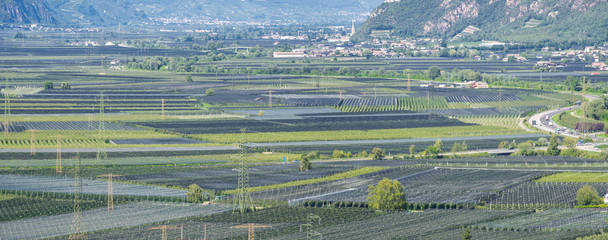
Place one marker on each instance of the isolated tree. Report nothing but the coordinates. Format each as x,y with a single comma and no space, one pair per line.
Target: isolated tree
464,146
553,149
189,78
433,72
210,92
338,154
587,195
48,85
570,142
306,163
438,144
503,144
467,234
195,194
377,153
387,195
457,147
412,151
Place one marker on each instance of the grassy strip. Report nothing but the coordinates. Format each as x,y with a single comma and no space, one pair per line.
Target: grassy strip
375,134
347,174
70,138
252,157
510,122
575,177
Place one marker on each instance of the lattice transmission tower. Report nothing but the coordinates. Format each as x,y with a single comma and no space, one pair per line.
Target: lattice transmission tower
101,141
244,200
77,230
110,189
311,234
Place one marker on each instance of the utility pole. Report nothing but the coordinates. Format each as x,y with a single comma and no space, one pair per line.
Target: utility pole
164,229
270,98
251,228
77,230
32,142
205,233
58,165
244,200
101,146
375,92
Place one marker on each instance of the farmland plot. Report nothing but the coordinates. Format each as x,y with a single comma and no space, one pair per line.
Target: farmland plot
542,194
65,185
124,215
485,111
227,178
78,125
483,98
408,225
553,219
422,185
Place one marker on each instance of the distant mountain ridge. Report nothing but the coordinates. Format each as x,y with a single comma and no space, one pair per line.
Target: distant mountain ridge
114,12
514,20
26,11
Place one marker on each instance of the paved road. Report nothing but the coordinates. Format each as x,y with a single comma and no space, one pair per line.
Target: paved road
544,121
139,149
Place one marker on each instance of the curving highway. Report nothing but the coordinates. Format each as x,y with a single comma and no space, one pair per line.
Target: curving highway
544,122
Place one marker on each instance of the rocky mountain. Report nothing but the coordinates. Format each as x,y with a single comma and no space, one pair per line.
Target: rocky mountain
26,12
114,12
507,20
96,12
287,11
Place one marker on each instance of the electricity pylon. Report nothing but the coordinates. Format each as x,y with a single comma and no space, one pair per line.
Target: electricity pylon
77,230
164,229
101,146
244,200
205,233
270,98
58,165
311,234
32,141
110,189
251,228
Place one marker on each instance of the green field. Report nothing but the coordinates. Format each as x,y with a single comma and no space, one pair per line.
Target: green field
575,177
374,134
